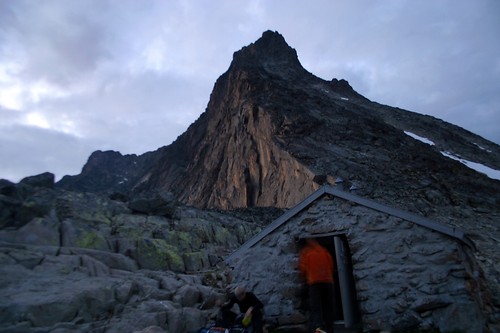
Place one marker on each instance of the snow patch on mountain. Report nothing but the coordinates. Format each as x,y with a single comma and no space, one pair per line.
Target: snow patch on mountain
492,173
419,138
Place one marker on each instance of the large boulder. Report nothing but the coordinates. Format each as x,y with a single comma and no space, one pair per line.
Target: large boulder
154,203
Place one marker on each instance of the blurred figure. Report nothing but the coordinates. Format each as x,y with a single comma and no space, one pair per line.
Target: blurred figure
316,269
250,308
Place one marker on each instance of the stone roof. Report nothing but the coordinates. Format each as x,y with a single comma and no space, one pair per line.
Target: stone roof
330,190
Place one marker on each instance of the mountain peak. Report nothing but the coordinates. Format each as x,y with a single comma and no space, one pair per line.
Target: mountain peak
269,50
272,40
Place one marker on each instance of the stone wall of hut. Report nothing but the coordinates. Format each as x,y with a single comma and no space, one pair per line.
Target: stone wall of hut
406,276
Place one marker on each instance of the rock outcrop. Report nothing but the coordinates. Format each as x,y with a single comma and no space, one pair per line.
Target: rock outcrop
82,262
62,289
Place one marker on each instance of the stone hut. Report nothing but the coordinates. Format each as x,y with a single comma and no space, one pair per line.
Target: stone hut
394,270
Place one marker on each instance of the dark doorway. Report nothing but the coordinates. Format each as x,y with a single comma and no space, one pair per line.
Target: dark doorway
346,309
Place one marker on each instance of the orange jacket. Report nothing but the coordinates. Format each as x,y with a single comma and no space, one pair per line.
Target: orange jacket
316,264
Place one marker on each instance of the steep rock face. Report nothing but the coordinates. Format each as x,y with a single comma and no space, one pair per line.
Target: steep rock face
238,167
232,156
253,145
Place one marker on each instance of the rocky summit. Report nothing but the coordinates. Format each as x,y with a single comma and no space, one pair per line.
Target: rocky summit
272,134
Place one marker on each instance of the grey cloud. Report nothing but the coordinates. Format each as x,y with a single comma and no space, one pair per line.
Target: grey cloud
26,151
133,114
56,42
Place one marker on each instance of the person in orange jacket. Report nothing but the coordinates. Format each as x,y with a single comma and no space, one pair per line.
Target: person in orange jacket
316,267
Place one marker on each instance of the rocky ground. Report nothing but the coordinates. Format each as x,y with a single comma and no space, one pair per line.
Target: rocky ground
81,262
60,289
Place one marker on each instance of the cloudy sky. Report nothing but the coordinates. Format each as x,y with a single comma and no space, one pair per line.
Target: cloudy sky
131,75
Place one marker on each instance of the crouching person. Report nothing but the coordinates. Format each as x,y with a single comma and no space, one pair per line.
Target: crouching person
250,307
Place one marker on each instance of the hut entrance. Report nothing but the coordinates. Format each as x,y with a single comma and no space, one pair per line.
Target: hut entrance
346,311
